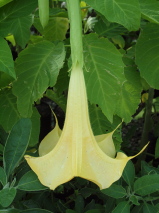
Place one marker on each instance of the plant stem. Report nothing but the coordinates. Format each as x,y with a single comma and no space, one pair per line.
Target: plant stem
146,128
74,13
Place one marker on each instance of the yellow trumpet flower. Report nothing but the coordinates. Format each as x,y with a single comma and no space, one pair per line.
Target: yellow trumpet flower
76,151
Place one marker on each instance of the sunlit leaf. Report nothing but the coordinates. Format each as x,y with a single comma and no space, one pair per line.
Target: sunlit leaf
34,138
4,2
9,114
37,68
30,182
149,10
147,184
55,30
21,30
104,73
7,196
126,13
16,144
6,60
10,12
147,57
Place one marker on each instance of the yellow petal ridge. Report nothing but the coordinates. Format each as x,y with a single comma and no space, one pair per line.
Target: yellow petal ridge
77,152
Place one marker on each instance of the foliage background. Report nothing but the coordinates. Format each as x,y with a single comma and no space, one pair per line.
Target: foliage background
121,69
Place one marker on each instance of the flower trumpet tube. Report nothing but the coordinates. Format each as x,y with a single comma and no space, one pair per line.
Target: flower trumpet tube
78,152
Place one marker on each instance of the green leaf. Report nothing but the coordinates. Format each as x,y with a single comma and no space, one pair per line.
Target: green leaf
62,80
21,30
93,211
147,208
7,196
128,101
9,114
60,100
30,182
36,211
134,199
147,184
138,209
37,68
157,149
146,51
70,211
149,10
13,10
126,13
129,173
115,191
4,2
3,177
16,144
99,123
146,168
130,96
105,28
79,204
157,207
56,28
104,70
5,80
10,211
35,119
6,60
122,207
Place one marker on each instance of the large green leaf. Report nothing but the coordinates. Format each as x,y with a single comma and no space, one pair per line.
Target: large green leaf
17,9
99,123
128,101
138,209
122,207
4,2
36,211
104,73
3,177
9,114
129,173
37,68
30,182
16,144
131,90
94,211
5,80
21,29
108,29
34,138
148,208
12,11
6,60
147,57
147,184
10,210
115,191
59,99
126,13
149,10
55,30
7,196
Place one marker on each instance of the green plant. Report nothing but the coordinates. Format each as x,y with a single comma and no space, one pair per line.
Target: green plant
120,62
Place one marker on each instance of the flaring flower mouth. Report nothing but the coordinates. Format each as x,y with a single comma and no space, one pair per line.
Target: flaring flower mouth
76,151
